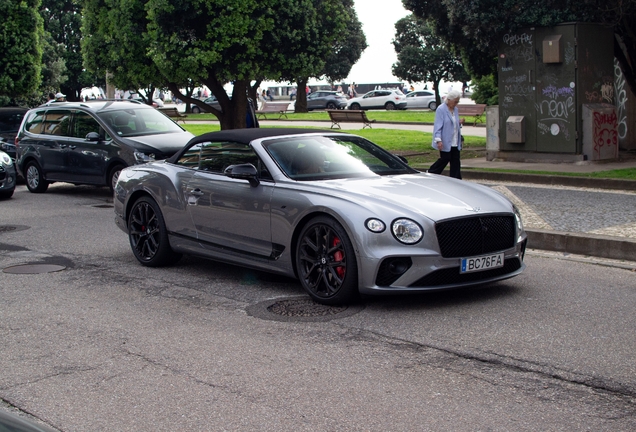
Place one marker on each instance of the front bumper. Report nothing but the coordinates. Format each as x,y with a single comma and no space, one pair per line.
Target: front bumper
412,274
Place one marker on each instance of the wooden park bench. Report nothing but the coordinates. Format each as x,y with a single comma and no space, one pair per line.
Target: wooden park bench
279,108
173,113
474,110
349,116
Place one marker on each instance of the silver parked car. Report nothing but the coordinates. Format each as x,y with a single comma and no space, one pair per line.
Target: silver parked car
332,209
421,99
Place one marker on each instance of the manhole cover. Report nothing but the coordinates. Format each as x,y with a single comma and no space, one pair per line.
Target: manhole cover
33,268
300,309
304,308
12,228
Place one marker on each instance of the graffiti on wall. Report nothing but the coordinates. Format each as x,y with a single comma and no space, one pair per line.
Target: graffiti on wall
605,135
621,100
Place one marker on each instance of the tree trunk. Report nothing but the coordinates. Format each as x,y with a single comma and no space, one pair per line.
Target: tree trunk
301,96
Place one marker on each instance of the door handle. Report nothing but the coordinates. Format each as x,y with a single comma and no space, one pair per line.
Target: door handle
72,147
196,192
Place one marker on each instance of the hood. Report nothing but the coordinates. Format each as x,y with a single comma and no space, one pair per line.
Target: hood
168,143
433,196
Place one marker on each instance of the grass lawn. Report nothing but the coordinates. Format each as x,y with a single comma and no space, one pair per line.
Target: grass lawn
416,147
409,116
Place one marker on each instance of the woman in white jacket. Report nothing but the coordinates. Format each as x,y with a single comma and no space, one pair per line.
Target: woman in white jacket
447,136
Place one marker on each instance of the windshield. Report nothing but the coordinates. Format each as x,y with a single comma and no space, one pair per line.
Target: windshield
312,157
134,122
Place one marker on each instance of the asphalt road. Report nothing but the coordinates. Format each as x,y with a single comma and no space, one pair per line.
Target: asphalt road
107,344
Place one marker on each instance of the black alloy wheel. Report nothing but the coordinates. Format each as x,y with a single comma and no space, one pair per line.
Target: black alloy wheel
390,106
331,105
355,106
148,234
326,262
34,179
113,175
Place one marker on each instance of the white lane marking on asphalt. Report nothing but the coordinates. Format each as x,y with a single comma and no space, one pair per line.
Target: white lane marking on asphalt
529,217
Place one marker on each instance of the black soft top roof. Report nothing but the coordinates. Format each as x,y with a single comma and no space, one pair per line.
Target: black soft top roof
245,136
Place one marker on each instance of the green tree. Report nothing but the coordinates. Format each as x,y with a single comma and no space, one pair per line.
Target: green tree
54,72
63,20
345,51
21,34
476,26
423,56
116,42
221,41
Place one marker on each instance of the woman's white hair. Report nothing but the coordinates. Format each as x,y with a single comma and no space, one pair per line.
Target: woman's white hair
453,94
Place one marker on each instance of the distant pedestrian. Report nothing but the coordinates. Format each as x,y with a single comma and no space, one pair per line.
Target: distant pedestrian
269,95
59,97
447,136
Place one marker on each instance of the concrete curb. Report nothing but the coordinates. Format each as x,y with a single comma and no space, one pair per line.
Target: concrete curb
618,248
585,182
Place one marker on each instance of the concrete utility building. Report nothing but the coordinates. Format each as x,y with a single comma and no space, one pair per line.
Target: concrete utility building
560,96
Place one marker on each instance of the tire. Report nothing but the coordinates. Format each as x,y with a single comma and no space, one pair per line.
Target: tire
196,110
34,179
389,106
326,262
432,106
331,105
148,234
6,194
113,174
355,106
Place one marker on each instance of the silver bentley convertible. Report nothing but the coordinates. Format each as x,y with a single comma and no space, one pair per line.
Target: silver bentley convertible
331,209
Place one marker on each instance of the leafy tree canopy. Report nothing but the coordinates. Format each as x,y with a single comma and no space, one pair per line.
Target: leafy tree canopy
21,34
62,20
423,56
239,41
345,51
116,43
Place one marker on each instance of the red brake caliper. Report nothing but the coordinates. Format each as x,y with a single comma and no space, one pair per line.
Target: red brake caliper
337,257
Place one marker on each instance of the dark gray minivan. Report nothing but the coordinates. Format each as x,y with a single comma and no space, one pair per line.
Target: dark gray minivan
91,142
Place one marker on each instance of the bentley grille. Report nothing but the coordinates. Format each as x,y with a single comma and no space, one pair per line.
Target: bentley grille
466,237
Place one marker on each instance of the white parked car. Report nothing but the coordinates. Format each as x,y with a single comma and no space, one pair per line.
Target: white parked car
389,99
421,99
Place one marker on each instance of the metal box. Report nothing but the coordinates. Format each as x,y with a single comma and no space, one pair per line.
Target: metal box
515,129
552,49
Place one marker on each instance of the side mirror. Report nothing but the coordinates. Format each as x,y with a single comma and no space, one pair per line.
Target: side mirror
243,172
92,136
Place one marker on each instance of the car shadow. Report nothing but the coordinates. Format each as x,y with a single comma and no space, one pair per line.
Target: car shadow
486,293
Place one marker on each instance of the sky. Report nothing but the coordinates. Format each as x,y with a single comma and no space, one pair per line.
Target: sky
378,18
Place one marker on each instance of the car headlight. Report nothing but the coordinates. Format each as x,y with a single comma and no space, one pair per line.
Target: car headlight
375,225
143,157
5,159
518,218
407,231
6,146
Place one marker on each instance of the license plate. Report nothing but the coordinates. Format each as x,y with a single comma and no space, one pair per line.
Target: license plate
485,262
